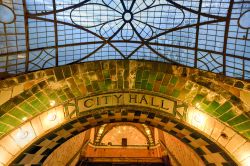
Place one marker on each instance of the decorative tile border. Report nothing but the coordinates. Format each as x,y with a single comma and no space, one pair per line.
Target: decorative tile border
209,152
28,95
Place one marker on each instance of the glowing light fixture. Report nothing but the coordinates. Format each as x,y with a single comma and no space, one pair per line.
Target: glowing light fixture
22,134
199,118
246,162
52,103
51,116
198,105
24,118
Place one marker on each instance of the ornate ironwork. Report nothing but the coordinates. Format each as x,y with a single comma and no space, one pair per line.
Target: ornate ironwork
211,35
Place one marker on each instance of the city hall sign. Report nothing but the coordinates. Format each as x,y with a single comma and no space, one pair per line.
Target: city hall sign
128,99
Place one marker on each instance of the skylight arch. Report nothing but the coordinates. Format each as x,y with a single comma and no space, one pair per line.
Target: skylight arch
208,35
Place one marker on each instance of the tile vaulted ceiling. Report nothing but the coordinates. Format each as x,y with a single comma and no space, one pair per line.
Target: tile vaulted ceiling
211,35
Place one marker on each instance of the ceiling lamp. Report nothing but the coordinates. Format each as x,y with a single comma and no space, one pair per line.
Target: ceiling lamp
24,118
52,103
22,134
51,116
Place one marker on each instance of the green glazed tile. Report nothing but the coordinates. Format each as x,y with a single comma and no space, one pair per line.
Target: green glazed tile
21,79
108,81
102,85
159,76
239,84
145,74
166,79
106,74
4,128
138,75
174,80
138,85
63,98
197,99
89,88
42,84
66,71
68,93
228,115
224,108
19,114
176,93
163,89
17,100
144,84
87,80
247,134
42,97
58,74
26,94
152,77
149,87
120,84
7,106
10,120
239,119
27,108
212,107
243,126
35,89
95,85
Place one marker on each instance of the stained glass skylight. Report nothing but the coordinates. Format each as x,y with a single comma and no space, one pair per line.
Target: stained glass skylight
211,35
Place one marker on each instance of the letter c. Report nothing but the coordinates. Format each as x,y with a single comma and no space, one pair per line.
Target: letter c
90,104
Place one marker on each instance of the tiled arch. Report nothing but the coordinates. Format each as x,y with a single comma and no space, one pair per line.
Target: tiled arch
28,95
38,151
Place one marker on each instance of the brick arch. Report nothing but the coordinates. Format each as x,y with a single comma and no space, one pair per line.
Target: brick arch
184,84
206,149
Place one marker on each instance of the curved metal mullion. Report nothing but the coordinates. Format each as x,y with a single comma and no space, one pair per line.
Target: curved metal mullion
203,56
183,27
215,60
26,27
41,59
93,52
102,24
216,68
117,50
108,7
108,41
148,24
35,65
132,53
49,53
60,10
132,5
153,50
209,61
119,29
204,64
41,51
46,62
193,11
227,25
69,24
55,31
197,34
111,7
123,5
100,29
